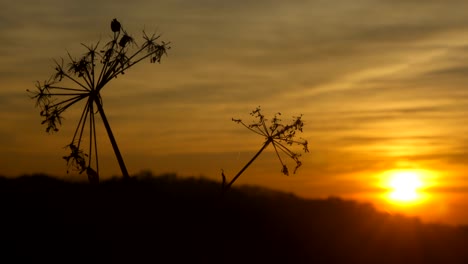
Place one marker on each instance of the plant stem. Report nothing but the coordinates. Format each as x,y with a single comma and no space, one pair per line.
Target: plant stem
123,168
248,164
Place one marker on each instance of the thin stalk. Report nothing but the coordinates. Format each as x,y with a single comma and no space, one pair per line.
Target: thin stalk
68,94
269,140
91,126
83,127
65,88
110,70
85,110
277,154
123,168
106,64
76,97
124,68
285,149
92,52
95,144
89,81
75,81
260,132
63,108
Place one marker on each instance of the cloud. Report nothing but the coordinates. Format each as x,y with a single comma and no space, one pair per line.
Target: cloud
378,82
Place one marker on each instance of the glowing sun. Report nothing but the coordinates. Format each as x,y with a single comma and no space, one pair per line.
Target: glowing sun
405,185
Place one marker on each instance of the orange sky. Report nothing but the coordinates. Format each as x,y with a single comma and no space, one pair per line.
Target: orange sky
381,85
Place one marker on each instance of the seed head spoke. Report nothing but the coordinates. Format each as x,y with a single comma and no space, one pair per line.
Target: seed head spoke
67,88
83,124
83,114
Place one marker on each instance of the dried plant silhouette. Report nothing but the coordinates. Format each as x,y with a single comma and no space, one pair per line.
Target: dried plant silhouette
280,136
82,79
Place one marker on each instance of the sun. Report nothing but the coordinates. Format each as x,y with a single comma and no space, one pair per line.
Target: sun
405,186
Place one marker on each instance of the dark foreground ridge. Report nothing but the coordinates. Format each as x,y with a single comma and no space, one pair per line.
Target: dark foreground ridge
170,220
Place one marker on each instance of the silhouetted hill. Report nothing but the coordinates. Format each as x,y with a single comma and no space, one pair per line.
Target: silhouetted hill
170,220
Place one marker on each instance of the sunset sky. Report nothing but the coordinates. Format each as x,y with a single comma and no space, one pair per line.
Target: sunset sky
382,86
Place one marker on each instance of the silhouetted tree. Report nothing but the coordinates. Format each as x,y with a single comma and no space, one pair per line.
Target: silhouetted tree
279,135
83,78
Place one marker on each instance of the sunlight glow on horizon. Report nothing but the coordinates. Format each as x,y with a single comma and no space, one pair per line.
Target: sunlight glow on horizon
406,186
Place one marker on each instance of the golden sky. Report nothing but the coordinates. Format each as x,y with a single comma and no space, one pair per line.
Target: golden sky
381,84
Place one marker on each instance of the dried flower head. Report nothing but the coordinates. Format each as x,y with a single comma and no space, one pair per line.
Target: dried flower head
281,136
82,79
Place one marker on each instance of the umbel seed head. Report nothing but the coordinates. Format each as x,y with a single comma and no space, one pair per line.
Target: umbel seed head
115,25
85,76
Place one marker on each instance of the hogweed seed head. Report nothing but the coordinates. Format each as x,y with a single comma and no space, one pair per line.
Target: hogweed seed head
280,135
81,79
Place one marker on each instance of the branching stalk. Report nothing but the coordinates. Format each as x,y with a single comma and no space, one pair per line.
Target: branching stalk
265,145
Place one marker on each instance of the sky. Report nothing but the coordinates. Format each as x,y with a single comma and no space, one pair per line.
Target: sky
381,86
